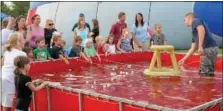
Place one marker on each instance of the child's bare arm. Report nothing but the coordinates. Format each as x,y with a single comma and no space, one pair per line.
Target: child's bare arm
119,46
85,57
34,88
64,59
99,58
2,62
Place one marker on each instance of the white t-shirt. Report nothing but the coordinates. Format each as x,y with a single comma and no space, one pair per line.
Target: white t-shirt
8,65
5,34
111,49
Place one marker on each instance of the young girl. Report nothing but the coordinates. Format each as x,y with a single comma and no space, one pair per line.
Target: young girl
100,45
29,53
89,49
13,48
24,84
110,46
158,38
124,43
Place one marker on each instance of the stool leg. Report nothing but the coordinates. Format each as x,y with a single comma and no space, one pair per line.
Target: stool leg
174,61
151,67
158,60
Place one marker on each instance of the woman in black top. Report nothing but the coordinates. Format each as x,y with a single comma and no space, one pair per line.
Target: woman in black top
48,32
95,30
24,84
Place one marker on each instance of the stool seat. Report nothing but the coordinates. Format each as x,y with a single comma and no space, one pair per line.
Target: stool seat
162,47
161,71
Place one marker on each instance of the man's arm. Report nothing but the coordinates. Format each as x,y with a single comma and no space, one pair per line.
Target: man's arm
112,30
189,53
201,33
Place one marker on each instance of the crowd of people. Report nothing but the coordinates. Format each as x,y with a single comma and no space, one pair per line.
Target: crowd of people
24,44
47,43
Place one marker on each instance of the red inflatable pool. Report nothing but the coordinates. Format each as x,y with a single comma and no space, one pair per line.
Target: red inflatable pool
118,84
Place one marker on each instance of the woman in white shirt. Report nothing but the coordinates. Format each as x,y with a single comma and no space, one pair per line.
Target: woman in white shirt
13,48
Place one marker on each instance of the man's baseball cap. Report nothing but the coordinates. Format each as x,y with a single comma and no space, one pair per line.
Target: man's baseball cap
81,15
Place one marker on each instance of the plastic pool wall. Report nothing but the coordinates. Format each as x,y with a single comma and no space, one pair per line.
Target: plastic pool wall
84,98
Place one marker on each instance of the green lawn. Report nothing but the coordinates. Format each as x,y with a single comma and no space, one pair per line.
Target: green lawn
185,51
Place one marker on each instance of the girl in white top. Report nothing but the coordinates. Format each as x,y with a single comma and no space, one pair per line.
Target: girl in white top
13,49
110,45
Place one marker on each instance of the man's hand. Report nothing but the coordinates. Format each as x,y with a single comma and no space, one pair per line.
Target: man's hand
181,62
200,50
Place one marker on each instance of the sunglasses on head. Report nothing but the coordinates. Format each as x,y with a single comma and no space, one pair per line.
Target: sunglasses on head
51,24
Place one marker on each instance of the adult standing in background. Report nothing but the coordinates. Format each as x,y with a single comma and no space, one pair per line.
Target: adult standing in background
139,34
81,31
34,31
48,32
81,16
21,25
95,30
8,30
117,26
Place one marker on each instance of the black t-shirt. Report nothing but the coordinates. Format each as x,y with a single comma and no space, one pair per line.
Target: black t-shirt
56,51
23,97
86,24
48,35
96,33
75,51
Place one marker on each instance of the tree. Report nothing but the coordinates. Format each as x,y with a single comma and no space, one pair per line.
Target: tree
5,8
17,8
20,8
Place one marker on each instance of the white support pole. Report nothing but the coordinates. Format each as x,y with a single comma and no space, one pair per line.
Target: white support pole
80,101
120,106
48,98
34,101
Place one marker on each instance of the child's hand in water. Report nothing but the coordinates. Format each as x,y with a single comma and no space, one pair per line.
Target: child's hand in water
99,58
67,62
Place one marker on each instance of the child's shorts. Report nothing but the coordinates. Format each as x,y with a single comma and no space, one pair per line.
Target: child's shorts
8,93
208,60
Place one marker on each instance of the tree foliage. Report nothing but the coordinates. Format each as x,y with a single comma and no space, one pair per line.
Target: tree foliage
16,9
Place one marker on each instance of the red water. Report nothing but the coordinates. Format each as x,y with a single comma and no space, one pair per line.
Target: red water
128,81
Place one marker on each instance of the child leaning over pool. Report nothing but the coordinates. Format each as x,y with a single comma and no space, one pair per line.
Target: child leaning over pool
89,49
158,38
57,50
124,43
41,53
24,84
110,45
77,50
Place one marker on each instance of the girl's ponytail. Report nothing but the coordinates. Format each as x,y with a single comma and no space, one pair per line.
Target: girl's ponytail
20,62
17,71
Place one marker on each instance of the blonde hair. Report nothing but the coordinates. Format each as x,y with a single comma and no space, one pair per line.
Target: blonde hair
79,22
157,25
89,40
47,22
14,41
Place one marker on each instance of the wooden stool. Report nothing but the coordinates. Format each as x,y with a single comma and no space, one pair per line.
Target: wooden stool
161,71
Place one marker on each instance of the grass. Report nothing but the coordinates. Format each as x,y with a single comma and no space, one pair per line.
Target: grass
184,51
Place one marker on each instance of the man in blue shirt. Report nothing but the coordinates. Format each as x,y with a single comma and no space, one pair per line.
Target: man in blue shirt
203,39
